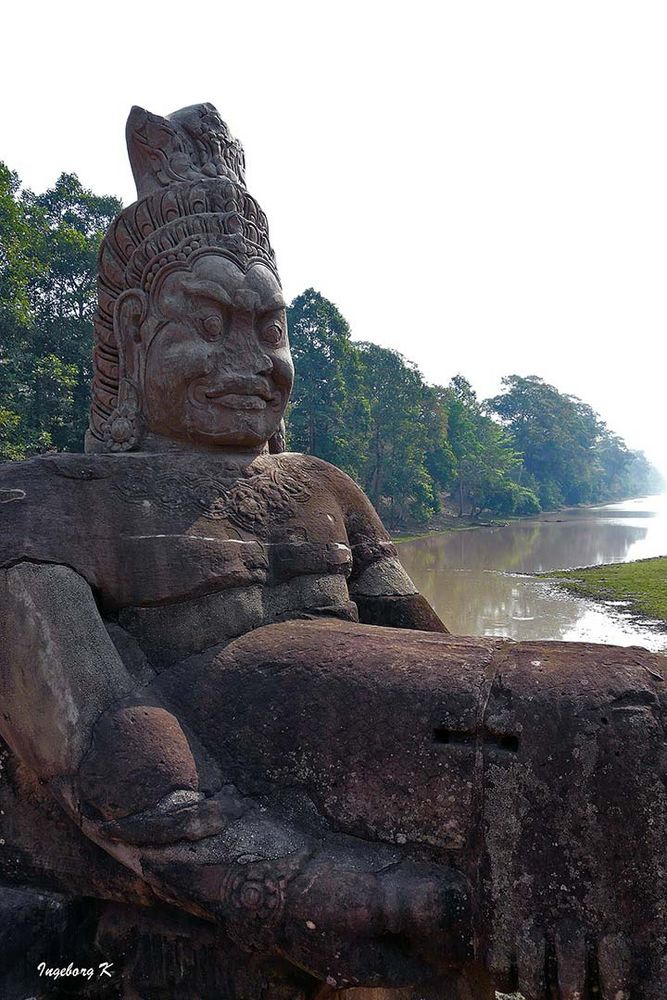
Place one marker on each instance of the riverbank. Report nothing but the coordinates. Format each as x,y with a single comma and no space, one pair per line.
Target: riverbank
641,586
454,523
502,581
447,520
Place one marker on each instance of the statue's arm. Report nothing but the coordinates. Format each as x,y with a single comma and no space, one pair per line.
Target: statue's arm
111,752
379,586
385,595
59,669
77,713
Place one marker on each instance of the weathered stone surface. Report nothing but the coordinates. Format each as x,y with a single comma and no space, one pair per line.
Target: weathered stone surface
50,630
473,743
410,611
152,759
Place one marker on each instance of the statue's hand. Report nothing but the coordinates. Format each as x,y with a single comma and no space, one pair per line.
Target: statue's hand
355,923
342,908
337,909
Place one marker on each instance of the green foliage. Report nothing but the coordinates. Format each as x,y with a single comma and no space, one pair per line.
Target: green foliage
485,457
569,455
509,498
440,458
48,275
396,477
329,412
17,262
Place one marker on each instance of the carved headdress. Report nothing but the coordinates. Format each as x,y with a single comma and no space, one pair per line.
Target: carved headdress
190,179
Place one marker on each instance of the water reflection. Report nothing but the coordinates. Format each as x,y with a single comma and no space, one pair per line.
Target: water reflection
473,578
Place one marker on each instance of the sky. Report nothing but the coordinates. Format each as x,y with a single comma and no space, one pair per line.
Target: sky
480,185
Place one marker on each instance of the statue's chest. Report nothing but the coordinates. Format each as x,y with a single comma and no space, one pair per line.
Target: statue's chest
189,534
255,502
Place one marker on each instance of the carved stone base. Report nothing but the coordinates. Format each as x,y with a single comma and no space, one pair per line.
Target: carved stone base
160,953
36,930
156,954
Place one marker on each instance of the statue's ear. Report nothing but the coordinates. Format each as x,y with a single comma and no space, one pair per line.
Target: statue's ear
130,312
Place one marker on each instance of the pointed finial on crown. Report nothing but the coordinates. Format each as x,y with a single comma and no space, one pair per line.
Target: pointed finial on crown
190,145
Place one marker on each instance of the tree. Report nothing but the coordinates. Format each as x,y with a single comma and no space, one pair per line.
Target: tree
18,263
568,452
556,435
48,275
440,459
17,259
329,412
71,222
397,479
486,459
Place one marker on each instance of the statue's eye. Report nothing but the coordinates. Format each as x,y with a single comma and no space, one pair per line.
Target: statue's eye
212,325
272,333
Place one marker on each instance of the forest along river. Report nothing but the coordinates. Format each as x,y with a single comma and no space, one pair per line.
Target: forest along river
476,579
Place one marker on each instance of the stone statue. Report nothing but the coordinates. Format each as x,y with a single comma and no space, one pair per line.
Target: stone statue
237,739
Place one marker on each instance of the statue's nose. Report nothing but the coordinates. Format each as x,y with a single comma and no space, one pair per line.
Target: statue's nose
244,350
264,362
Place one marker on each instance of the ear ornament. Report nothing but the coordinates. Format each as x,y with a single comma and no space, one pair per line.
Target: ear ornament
121,430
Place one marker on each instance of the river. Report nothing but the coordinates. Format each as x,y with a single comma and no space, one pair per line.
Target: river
476,579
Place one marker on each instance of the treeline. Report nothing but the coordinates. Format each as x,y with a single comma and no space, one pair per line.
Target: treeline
410,445
48,278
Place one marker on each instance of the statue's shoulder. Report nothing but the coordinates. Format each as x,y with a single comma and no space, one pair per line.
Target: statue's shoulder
45,501
327,481
45,478
321,474
57,466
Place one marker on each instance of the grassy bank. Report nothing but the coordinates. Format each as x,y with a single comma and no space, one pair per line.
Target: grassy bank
444,523
643,584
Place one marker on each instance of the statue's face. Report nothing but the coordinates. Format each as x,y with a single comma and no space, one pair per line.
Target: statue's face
218,368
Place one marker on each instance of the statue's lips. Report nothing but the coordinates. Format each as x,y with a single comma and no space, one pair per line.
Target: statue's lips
239,400
237,395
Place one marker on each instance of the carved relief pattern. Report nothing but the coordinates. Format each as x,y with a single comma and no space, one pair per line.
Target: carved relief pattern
251,502
253,899
253,896
213,212
189,144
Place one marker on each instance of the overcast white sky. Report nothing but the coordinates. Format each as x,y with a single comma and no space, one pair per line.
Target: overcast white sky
479,185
